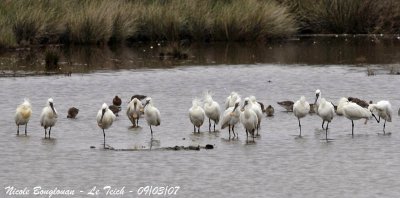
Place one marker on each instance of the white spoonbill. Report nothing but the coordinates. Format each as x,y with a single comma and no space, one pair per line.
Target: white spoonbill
23,114
300,109
231,99
231,118
151,114
48,118
134,110
341,103
326,111
384,110
257,109
353,111
249,118
105,118
212,110
196,115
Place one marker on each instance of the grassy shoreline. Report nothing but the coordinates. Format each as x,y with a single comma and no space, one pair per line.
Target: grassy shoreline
102,22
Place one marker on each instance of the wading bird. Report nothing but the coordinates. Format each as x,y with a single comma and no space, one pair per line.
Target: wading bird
300,109
151,114
23,114
117,101
341,103
196,115
105,118
287,104
384,110
269,110
231,118
353,111
248,118
48,118
212,110
134,111
257,109
326,111
72,112
231,99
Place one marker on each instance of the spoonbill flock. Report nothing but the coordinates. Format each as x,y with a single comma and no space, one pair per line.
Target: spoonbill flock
249,114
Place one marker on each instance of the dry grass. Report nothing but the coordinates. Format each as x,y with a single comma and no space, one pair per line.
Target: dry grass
25,22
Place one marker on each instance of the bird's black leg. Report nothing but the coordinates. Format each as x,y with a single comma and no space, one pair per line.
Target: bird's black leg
137,122
45,133
352,128
194,129
233,131
326,132
214,126
323,122
198,130
104,135
229,129
299,127
151,130
26,126
209,125
49,132
17,129
384,125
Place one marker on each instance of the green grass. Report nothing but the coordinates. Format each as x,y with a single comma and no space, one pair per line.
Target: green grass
32,22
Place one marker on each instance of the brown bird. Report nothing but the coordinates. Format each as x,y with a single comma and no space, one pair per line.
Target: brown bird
117,101
115,109
287,104
358,101
139,97
72,112
269,110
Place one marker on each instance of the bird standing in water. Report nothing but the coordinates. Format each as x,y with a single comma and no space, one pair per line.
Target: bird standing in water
48,118
151,114
105,118
300,109
23,114
212,110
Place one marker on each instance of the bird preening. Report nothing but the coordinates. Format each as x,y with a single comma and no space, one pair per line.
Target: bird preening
105,118
23,114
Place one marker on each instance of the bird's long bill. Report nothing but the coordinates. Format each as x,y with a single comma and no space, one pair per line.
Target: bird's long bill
145,104
52,108
102,115
245,103
236,105
375,117
316,98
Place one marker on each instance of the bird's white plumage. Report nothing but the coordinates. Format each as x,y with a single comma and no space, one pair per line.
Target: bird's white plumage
134,110
326,110
48,117
231,115
301,107
23,113
108,117
211,108
354,111
196,113
248,117
231,99
151,113
342,101
383,108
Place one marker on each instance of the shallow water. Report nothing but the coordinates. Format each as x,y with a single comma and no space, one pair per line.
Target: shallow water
277,165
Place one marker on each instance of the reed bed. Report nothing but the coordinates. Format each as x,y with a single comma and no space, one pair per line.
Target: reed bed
32,22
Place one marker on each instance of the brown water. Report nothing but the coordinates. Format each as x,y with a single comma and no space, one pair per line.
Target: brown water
277,165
